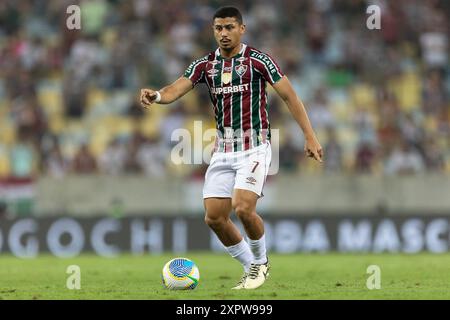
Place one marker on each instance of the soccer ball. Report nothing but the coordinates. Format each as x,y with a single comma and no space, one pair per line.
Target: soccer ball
180,274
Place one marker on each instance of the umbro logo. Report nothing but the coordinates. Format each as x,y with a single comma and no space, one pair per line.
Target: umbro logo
251,180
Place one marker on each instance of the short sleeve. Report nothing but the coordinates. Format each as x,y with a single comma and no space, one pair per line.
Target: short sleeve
196,71
267,66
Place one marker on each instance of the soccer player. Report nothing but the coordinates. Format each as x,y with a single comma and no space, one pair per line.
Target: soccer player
236,76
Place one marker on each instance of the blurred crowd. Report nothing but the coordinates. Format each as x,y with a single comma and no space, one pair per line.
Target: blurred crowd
378,99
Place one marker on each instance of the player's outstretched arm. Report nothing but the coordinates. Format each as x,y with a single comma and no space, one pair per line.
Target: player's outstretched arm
166,95
285,90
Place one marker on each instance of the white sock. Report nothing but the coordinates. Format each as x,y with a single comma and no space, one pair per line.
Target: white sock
258,248
242,253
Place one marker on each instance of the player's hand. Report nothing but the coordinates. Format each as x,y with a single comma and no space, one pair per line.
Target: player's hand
148,96
313,149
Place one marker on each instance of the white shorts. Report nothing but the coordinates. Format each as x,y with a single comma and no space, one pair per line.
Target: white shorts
237,170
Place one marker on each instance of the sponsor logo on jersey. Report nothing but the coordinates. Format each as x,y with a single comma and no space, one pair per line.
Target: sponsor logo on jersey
263,58
226,77
230,89
251,180
212,72
193,64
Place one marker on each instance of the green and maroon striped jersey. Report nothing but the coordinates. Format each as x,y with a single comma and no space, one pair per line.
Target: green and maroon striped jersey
237,88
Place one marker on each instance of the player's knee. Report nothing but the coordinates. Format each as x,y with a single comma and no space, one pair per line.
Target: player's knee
215,222
243,210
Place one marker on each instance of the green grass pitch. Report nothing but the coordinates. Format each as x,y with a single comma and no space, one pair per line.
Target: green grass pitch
296,276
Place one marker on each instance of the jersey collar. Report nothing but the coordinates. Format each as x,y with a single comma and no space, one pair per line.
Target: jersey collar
241,52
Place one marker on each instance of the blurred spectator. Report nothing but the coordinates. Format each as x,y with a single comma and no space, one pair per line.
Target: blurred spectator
434,48
86,53
392,22
333,152
94,14
74,93
365,157
172,121
135,109
30,118
132,164
435,97
364,123
112,160
55,164
410,130
289,156
10,18
404,160
84,162
434,156
151,158
22,159
316,31
388,121
434,40
319,112
18,82
182,33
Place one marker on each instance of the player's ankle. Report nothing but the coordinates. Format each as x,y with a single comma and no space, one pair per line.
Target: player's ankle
260,261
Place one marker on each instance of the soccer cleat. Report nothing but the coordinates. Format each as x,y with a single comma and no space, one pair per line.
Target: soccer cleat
257,275
241,282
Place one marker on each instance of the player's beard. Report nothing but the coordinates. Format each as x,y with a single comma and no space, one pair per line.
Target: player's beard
229,47
226,46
